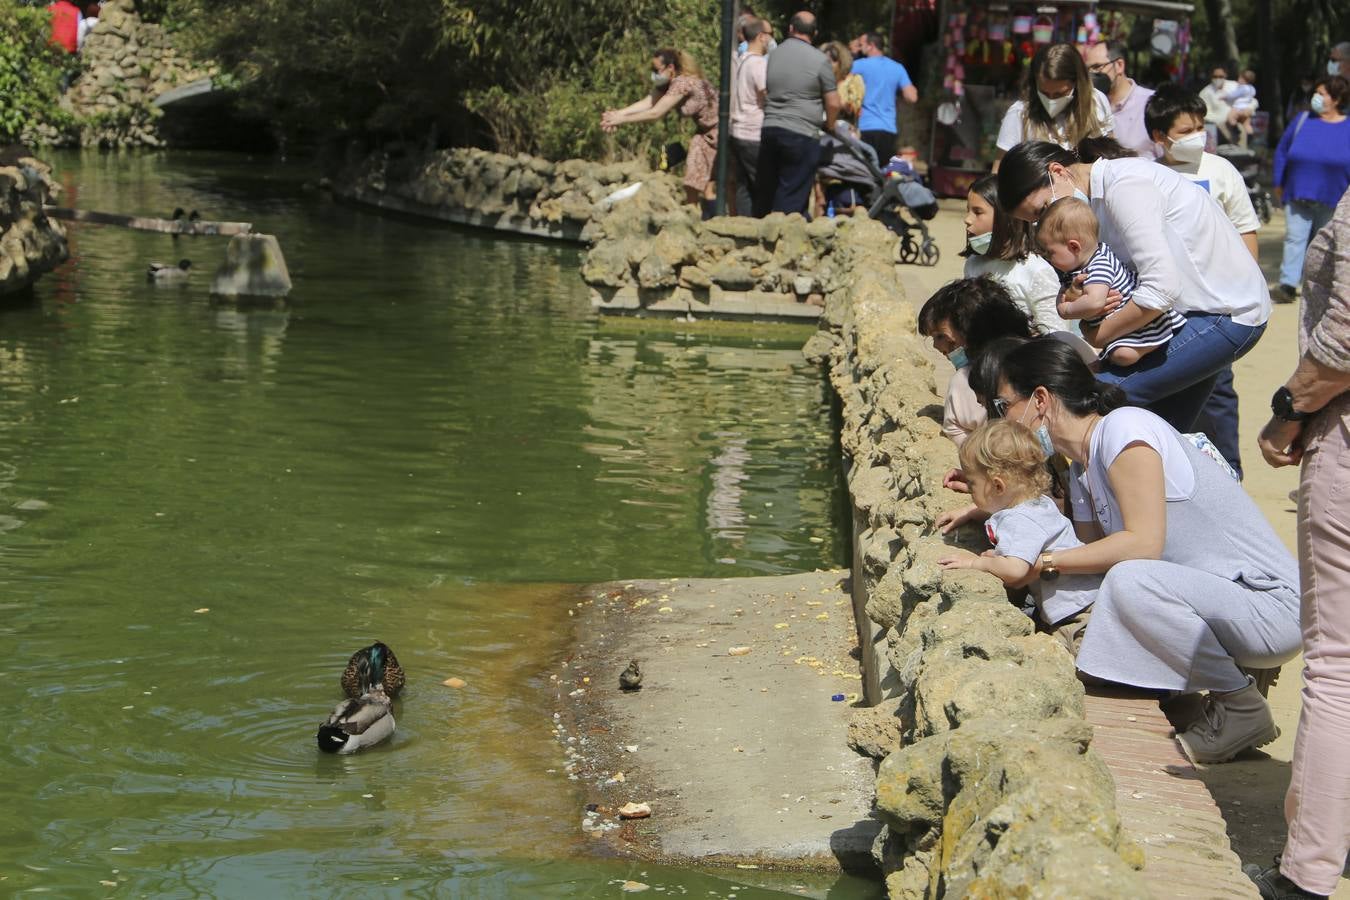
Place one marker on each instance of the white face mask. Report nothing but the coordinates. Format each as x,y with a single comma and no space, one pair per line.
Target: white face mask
980,243
1318,104
1188,149
1055,106
660,79
1216,83
1333,67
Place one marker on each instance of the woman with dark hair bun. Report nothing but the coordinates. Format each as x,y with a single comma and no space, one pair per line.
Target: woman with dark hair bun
1197,586
1188,256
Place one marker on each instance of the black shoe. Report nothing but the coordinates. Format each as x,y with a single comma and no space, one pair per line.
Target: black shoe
1274,886
1288,294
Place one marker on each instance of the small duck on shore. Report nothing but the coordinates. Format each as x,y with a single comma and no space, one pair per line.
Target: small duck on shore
162,273
357,723
370,668
630,679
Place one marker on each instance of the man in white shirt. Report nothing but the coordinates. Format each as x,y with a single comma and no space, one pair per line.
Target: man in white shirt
748,96
1176,120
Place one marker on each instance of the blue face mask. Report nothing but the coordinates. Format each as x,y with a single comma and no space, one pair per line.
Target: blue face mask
1042,433
958,358
980,243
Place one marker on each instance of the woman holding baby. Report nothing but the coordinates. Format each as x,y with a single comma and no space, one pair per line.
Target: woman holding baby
1186,256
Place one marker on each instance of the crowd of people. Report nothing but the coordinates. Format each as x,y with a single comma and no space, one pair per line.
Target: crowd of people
812,129
1111,282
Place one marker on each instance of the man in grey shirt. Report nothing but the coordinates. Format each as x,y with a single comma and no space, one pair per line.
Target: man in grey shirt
801,97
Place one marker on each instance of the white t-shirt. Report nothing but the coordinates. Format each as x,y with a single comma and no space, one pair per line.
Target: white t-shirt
1090,495
1188,255
1012,131
1032,282
747,115
1224,183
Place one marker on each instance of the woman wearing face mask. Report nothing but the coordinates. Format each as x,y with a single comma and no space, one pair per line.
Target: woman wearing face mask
1058,103
1188,257
961,319
1196,582
678,83
1312,171
1004,248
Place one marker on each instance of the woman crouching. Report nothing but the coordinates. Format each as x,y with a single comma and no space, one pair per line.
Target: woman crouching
1196,583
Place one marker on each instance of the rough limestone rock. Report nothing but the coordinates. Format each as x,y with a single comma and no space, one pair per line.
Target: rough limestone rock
30,243
875,730
990,784
125,64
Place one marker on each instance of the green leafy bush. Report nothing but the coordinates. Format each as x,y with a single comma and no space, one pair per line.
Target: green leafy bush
31,71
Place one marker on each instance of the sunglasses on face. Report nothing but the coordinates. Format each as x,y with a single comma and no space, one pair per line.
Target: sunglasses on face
1000,407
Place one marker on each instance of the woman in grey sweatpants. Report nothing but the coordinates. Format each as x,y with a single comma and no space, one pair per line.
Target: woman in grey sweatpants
1196,582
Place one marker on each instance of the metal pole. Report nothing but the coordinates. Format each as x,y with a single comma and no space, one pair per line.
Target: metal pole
724,107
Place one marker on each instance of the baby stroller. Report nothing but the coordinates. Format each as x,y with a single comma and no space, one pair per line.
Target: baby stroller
1248,164
903,205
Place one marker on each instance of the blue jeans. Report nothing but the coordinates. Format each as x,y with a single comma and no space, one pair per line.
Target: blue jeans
786,171
1302,220
1175,380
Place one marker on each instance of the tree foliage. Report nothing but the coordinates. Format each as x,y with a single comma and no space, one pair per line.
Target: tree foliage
531,77
31,70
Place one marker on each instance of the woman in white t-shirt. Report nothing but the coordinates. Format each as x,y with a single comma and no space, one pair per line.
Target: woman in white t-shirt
1197,584
1058,104
1189,258
1004,248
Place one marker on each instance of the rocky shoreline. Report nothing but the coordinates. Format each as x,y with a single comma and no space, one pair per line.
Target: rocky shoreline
30,243
987,783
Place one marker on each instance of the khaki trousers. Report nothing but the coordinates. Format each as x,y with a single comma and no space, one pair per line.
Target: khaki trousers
1317,806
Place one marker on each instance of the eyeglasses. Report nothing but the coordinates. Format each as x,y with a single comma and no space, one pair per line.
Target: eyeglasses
1001,407
1101,66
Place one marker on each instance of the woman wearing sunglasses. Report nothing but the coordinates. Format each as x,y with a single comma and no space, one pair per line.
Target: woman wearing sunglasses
1196,586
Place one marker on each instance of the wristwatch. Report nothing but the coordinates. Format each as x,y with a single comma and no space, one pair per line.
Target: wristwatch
1049,571
1282,406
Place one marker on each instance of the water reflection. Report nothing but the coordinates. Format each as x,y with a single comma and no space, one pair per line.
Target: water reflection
219,503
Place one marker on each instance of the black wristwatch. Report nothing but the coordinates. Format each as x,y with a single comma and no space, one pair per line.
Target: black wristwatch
1282,406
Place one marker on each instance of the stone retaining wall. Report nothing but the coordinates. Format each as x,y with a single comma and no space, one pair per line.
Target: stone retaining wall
987,783
125,64
30,243
521,194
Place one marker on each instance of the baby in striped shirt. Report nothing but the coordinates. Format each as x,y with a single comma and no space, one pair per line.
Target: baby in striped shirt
1067,234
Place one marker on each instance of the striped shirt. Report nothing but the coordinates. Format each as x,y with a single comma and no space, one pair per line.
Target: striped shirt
1104,267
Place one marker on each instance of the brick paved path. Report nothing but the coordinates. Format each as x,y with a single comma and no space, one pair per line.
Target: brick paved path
1163,802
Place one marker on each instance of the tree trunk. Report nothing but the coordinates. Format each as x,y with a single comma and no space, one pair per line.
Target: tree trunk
1222,33
1270,89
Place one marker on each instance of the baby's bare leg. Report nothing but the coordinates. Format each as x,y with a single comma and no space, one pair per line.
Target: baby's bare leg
1128,356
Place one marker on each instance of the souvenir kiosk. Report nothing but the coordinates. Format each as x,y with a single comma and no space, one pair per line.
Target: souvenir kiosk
986,48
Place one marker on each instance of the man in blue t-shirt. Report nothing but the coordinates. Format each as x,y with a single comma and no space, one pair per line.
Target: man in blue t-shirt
883,78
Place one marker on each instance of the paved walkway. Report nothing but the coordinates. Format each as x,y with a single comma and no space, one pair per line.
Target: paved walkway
1163,802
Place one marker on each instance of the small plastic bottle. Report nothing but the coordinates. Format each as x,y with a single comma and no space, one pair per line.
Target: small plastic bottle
829,210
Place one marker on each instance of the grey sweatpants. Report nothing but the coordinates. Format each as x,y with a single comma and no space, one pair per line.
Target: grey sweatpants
1165,626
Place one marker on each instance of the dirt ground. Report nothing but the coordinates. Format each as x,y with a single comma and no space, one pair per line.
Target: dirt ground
1250,790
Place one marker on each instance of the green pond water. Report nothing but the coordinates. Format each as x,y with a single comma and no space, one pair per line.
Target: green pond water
205,508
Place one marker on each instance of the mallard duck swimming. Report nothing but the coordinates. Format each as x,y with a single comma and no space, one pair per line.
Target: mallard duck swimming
370,667
167,272
357,724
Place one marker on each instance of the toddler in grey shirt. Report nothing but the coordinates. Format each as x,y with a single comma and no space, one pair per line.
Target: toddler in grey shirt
1005,467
